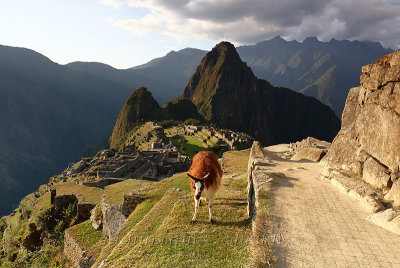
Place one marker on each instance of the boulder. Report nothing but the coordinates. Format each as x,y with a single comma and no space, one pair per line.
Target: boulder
312,154
371,119
394,194
375,174
388,219
309,142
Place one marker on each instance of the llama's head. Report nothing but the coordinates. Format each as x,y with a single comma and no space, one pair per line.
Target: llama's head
198,185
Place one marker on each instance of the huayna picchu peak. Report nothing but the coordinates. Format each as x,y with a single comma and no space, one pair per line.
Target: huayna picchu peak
225,92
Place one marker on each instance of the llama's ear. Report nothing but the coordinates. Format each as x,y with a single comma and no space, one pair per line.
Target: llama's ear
190,176
206,176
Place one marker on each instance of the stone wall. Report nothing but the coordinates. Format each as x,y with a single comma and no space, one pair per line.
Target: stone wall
72,249
115,215
83,212
258,160
101,183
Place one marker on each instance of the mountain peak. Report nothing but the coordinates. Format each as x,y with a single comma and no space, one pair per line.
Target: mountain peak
278,38
140,106
311,40
220,66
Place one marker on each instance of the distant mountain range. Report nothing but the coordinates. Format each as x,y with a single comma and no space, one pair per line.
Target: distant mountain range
51,113
325,70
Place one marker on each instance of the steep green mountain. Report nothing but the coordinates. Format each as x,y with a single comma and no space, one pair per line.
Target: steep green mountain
139,107
225,92
49,114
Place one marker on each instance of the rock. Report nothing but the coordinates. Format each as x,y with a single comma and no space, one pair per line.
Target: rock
96,218
356,189
394,194
309,142
388,219
375,174
312,154
370,120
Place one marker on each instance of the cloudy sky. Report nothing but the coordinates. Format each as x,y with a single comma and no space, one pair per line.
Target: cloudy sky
125,33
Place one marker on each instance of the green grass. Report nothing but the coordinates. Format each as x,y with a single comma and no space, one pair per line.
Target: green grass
114,193
153,192
87,194
191,147
158,233
85,234
236,162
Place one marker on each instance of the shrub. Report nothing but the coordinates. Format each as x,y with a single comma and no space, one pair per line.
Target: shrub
98,214
43,217
191,121
166,123
13,256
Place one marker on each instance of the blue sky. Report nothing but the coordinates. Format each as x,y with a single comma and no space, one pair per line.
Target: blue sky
74,30
126,33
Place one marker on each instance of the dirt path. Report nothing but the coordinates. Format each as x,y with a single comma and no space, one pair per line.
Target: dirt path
318,226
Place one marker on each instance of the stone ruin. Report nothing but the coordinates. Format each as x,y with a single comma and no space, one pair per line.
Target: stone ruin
110,166
223,137
115,215
61,202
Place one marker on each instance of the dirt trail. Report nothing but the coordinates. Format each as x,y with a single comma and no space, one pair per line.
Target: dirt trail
318,226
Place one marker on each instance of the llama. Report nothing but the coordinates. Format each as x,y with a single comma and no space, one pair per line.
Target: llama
205,178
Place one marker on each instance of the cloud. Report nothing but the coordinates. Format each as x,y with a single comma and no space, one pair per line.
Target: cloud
244,22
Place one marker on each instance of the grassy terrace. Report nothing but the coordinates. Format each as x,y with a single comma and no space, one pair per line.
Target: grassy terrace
191,145
85,234
158,233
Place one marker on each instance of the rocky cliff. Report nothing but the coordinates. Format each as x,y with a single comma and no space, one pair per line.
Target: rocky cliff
139,107
225,92
369,140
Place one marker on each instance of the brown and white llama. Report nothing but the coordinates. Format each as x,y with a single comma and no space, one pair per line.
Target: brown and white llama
205,178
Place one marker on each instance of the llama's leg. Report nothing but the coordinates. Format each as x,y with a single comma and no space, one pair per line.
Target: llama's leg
210,201
196,205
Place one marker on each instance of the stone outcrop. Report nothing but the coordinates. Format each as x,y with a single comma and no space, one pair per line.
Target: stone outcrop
369,140
115,215
375,174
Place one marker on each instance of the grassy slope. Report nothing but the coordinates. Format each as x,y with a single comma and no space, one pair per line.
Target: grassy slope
159,233
85,234
85,193
191,147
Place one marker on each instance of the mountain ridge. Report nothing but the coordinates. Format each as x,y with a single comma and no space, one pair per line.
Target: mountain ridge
225,92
